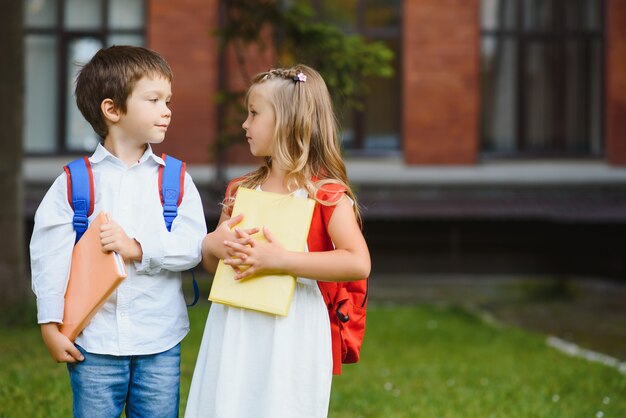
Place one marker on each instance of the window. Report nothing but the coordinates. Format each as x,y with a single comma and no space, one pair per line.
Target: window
60,36
375,129
541,77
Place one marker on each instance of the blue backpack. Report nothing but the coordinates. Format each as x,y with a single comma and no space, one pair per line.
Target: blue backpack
80,195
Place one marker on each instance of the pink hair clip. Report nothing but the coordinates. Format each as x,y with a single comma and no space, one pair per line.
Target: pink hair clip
301,77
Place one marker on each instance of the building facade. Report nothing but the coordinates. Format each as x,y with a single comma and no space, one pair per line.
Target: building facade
502,131
475,80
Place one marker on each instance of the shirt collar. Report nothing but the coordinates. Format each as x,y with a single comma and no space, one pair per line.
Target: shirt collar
102,153
150,154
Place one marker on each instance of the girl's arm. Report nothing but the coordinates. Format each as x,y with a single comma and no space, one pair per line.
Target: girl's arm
213,248
350,260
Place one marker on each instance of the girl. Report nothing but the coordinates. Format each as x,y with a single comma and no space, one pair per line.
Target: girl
253,364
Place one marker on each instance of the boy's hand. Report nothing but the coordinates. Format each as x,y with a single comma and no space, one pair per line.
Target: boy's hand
255,257
113,238
59,346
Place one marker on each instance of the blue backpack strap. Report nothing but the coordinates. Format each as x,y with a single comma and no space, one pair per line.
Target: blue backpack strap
196,290
171,190
171,186
80,193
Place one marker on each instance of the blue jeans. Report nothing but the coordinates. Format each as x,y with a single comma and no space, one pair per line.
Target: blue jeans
147,384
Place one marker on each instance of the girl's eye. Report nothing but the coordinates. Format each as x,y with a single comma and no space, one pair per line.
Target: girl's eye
153,100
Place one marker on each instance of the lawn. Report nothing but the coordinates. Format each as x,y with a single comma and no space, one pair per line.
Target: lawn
418,361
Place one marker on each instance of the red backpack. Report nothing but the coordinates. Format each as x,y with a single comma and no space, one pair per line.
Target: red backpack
346,301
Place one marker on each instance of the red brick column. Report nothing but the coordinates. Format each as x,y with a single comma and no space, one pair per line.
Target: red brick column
238,77
615,90
440,81
180,31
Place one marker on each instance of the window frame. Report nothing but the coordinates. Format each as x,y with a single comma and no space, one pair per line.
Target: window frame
63,37
558,36
387,34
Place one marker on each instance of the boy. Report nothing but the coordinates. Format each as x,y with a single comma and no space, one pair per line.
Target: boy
129,354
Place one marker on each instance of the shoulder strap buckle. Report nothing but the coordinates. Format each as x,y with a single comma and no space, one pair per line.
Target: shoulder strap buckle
80,194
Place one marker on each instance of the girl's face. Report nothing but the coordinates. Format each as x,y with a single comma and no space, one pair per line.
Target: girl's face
259,125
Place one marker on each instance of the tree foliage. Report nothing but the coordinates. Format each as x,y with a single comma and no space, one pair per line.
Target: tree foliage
298,36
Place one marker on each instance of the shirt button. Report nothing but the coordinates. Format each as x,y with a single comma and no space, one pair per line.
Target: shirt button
123,314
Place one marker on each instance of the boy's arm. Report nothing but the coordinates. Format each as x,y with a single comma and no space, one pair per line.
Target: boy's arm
59,346
51,248
51,255
178,249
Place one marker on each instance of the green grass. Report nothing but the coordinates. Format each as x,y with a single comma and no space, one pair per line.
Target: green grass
416,362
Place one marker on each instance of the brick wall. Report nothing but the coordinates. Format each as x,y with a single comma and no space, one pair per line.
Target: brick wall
440,81
440,78
237,78
615,96
180,31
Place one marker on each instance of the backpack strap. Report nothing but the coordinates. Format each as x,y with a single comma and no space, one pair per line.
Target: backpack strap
319,240
80,196
346,301
171,187
171,191
80,193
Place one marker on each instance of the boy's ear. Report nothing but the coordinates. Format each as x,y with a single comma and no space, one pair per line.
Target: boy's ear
110,111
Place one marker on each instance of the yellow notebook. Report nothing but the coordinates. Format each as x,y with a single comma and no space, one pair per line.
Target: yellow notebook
288,219
94,275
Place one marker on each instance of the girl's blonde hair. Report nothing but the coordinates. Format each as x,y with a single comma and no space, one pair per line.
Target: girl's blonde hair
306,139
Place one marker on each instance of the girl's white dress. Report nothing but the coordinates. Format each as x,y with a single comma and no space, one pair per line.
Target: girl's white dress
255,365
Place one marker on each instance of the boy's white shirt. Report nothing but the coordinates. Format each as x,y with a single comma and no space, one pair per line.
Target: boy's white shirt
147,313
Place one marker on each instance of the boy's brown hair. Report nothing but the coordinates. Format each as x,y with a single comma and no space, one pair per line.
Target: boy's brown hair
112,74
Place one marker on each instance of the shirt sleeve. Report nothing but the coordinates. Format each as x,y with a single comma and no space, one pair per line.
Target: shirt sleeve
51,248
180,248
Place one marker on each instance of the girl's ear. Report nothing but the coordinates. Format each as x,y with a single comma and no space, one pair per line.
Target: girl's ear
110,112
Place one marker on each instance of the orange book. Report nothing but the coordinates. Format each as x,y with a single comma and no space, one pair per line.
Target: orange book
94,275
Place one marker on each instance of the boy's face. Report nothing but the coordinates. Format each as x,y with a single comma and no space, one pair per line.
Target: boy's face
147,114
259,125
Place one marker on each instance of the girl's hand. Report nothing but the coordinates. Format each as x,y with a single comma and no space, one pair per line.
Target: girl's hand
213,248
256,257
226,232
242,237
59,346
113,238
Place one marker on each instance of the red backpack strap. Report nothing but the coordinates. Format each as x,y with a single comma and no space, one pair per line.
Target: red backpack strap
346,301
231,191
319,240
